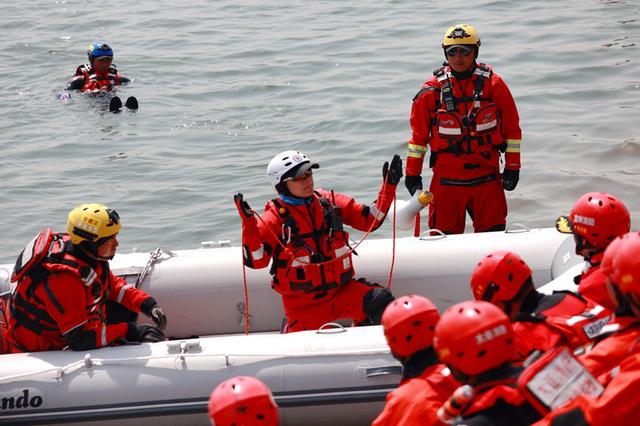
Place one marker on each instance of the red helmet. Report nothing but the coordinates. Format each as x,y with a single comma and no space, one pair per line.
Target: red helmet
625,271
598,217
242,401
409,323
499,276
474,337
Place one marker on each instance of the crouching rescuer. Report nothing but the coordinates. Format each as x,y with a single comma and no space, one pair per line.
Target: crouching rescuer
302,231
65,293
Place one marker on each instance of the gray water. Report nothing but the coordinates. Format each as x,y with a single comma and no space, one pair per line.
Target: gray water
224,85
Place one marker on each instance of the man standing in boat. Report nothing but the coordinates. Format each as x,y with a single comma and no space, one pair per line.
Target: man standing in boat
302,231
64,283
465,113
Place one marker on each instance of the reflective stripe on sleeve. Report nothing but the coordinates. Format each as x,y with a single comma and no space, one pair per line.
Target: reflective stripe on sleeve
103,337
513,145
416,151
123,290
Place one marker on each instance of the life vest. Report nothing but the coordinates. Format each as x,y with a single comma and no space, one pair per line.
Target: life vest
579,320
475,131
94,81
487,395
554,378
47,253
317,257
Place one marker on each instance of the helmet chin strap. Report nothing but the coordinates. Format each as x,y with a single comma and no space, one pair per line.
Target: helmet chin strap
91,249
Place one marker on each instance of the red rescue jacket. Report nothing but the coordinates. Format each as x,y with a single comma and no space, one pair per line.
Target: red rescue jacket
563,318
592,283
618,404
464,121
499,402
98,82
416,401
63,292
316,257
619,339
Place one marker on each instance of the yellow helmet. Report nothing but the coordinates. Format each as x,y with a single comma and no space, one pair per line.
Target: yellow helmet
92,222
460,34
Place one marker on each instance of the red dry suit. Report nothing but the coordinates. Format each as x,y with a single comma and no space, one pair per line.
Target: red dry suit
592,283
64,296
499,402
466,132
314,272
99,82
621,338
617,405
417,399
562,318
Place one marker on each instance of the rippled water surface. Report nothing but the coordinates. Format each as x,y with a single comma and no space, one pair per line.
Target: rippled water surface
225,85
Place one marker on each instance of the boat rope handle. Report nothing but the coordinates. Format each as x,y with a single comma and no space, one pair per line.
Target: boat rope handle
154,255
62,372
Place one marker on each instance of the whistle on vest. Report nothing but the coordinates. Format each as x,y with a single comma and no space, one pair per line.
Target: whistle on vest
452,409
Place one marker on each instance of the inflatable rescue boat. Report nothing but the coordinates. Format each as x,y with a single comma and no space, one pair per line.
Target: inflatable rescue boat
333,376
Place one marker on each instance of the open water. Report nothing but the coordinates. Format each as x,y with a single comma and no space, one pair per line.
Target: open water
224,85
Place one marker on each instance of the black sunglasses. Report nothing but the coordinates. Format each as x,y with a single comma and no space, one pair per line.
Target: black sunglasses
454,51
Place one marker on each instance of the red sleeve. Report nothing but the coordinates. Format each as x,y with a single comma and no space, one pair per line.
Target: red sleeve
70,294
415,402
359,216
260,237
509,121
126,294
532,336
422,112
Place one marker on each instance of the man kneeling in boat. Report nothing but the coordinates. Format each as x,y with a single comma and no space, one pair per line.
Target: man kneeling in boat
302,230
64,285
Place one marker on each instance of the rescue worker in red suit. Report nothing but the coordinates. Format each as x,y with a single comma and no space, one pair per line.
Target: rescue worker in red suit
409,323
302,231
99,75
465,113
476,341
62,286
596,219
615,359
242,401
541,321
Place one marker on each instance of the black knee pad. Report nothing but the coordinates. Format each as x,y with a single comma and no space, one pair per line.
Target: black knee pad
374,303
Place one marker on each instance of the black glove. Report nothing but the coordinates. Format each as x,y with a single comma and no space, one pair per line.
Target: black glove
242,206
144,333
510,179
151,309
413,183
392,174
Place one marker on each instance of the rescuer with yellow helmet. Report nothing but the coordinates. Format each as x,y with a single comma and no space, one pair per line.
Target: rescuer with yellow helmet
66,295
465,113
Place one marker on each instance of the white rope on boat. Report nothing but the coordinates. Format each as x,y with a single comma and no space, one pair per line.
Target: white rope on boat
88,363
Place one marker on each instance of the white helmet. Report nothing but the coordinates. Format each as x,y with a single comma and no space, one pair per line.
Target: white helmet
282,164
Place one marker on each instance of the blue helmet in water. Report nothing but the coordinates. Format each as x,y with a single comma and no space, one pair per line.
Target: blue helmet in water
99,49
